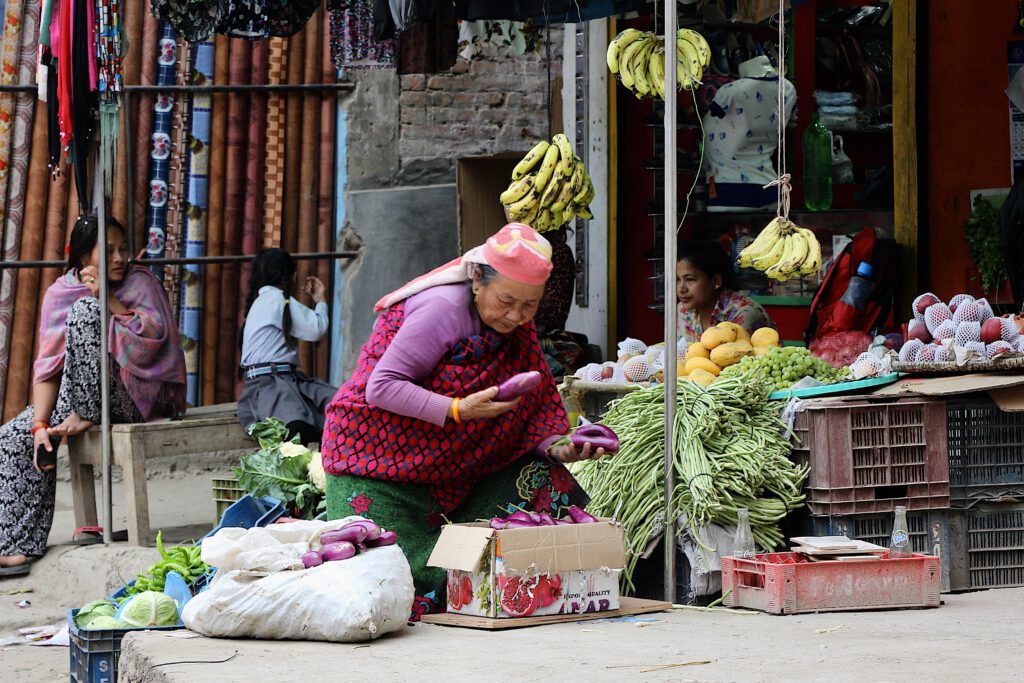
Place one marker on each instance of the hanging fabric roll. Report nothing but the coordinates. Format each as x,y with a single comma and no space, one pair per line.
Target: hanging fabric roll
257,19
195,228
177,183
252,225
193,20
273,174
160,147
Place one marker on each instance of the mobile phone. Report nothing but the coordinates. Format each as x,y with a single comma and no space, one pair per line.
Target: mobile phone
45,458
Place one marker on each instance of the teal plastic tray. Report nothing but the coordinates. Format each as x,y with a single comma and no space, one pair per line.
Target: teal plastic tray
840,388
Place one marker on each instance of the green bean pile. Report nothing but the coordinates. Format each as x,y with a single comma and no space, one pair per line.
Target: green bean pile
730,452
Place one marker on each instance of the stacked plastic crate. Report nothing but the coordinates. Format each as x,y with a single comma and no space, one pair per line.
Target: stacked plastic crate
868,457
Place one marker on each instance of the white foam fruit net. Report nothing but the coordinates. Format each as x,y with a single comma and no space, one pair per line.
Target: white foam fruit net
1008,330
985,308
926,354
1019,345
955,302
638,369
967,312
914,307
996,348
976,347
631,347
946,330
867,365
935,315
909,350
967,332
944,354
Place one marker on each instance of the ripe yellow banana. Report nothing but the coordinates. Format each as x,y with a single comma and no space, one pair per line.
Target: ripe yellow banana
790,264
761,244
699,42
567,190
585,185
641,60
516,190
656,70
769,258
518,210
812,264
618,44
547,168
552,189
584,213
626,62
530,160
775,270
566,153
691,69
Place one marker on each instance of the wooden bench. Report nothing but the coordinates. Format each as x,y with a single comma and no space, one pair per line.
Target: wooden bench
201,430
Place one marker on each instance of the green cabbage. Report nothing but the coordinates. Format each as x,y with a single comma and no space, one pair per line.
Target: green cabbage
96,608
106,622
150,609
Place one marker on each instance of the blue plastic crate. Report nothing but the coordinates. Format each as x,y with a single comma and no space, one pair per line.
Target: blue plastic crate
94,653
248,512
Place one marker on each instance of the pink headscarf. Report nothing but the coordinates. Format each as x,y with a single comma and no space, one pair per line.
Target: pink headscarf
517,251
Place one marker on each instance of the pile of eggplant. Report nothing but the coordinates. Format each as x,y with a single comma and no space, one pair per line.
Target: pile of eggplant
348,541
521,519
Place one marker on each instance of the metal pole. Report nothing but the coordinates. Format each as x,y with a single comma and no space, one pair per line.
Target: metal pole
101,215
669,267
185,260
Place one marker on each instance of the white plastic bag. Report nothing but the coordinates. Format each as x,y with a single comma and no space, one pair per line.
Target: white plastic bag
262,591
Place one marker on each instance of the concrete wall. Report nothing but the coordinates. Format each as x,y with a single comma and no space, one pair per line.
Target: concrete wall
403,136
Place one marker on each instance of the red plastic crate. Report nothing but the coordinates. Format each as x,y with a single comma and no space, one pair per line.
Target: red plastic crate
869,457
788,583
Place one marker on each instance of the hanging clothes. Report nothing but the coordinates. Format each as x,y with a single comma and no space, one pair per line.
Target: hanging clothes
543,12
83,97
430,46
353,45
258,19
193,20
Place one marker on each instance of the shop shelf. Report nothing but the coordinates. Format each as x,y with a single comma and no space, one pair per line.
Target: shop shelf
986,452
788,583
869,457
932,532
94,652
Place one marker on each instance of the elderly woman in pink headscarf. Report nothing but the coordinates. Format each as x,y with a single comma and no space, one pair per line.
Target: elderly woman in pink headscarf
416,435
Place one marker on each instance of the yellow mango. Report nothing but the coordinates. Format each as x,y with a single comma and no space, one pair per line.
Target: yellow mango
697,350
765,337
741,333
761,350
703,364
680,368
728,354
716,336
702,377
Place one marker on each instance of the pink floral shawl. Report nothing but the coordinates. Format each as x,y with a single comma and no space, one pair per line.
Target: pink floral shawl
144,341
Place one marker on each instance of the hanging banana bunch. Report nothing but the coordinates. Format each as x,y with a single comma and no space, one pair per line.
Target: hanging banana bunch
550,187
638,58
783,251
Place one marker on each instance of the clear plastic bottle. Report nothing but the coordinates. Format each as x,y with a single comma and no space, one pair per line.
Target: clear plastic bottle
899,543
817,166
861,285
743,545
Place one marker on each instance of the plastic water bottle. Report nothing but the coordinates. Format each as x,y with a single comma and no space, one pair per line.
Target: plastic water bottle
817,166
861,285
899,543
743,545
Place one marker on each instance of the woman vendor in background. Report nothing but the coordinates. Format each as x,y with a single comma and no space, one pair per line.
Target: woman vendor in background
415,437
706,289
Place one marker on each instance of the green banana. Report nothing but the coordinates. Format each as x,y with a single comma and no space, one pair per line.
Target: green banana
530,160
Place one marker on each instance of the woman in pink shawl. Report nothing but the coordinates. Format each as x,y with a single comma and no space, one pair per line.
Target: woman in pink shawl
147,379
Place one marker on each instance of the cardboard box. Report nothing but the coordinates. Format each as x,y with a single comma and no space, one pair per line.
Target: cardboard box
1006,389
531,572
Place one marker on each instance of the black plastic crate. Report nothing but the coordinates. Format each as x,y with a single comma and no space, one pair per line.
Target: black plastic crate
986,451
933,532
995,545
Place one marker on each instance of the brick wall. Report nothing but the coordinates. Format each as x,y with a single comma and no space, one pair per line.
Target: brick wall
494,103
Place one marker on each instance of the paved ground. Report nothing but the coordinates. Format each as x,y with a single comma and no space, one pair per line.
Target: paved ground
972,636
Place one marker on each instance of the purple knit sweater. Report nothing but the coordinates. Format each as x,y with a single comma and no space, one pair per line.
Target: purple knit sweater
435,320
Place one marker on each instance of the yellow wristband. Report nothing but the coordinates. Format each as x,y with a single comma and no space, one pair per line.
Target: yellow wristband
455,410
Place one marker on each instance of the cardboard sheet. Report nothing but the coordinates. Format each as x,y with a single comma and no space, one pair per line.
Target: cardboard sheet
1006,389
628,606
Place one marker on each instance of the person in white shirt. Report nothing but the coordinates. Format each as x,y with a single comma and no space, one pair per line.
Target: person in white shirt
274,386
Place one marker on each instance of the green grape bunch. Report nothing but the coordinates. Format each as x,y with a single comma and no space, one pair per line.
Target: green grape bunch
782,367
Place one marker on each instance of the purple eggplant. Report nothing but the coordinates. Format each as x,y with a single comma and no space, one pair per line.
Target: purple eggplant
518,385
592,429
337,551
372,530
545,519
581,516
521,516
361,548
500,523
598,436
352,533
385,538
312,559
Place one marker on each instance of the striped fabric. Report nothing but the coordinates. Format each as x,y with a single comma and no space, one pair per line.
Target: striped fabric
160,148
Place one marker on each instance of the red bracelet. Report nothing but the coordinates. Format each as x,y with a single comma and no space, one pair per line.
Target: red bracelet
37,425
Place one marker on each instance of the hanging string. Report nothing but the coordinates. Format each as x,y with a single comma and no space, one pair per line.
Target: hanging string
782,180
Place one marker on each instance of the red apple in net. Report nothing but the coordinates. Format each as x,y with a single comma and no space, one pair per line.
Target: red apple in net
991,331
922,302
916,329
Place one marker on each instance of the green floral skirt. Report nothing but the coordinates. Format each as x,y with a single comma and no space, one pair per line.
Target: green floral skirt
410,511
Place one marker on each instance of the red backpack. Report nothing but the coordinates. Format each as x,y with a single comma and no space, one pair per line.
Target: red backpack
830,314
